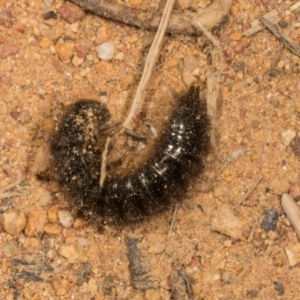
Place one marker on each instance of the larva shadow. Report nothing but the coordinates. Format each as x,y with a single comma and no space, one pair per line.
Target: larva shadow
159,180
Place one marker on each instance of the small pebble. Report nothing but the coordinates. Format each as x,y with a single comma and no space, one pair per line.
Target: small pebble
188,77
279,287
41,160
41,91
225,277
73,253
6,18
79,223
151,294
52,214
296,147
283,23
92,285
136,3
211,277
46,198
106,50
241,45
287,137
61,286
37,218
103,35
295,191
270,220
8,49
3,108
77,61
120,56
217,192
53,33
64,51
49,15
235,36
293,254
10,249
65,218
83,51
45,43
70,12
81,241
190,62
24,117
74,27
280,64
224,221
52,229
13,221
227,243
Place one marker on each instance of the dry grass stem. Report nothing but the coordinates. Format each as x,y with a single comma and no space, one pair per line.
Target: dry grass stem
292,211
104,160
213,101
243,272
258,180
10,186
256,26
150,61
148,68
285,39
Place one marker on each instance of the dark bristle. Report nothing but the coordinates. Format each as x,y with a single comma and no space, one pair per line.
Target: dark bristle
76,149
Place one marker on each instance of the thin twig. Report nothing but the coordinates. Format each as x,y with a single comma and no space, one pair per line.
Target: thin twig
213,101
4,191
249,192
148,68
9,195
285,39
211,17
276,60
150,61
173,218
243,272
169,56
10,186
135,134
251,234
279,241
257,26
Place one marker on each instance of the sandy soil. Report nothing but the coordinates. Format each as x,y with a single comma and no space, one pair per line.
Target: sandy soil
48,64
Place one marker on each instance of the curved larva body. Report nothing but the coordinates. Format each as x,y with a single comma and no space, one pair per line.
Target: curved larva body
159,181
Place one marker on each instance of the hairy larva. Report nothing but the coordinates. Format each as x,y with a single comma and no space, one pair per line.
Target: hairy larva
161,179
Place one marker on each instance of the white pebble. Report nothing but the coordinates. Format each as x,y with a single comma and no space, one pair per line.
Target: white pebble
81,241
41,91
293,254
287,137
65,218
46,198
52,49
106,50
225,221
74,27
120,56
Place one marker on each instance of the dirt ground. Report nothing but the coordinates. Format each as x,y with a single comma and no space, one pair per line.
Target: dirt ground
215,250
